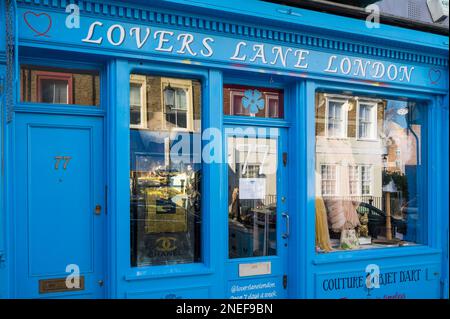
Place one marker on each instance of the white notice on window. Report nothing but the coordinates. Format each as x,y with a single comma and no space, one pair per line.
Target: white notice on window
252,188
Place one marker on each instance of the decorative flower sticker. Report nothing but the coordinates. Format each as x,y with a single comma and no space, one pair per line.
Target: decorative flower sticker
253,101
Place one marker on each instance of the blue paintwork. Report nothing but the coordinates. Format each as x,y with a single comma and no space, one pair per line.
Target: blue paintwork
228,23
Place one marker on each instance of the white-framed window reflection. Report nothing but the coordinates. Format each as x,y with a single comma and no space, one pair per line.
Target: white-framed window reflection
360,180
328,179
138,102
177,104
336,118
367,120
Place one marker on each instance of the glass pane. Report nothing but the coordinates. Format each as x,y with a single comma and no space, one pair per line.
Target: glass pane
59,86
181,99
371,193
252,196
135,94
135,104
165,185
236,104
181,119
253,101
135,114
54,91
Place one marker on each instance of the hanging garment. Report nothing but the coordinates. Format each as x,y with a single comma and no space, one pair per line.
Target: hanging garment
322,234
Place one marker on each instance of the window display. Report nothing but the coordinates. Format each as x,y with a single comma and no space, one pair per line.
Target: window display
165,202
370,172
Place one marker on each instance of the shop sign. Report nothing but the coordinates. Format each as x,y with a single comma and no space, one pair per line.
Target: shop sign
196,48
383,283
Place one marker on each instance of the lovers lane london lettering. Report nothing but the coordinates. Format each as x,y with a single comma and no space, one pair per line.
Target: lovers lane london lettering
247,52
238,52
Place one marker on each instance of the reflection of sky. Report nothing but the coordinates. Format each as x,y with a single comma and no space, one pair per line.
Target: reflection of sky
392,113
148,150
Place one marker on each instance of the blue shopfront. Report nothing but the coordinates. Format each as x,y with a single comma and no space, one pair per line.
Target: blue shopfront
212,150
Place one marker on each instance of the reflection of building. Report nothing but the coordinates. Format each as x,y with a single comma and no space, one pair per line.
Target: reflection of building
151,109
402,150
349,149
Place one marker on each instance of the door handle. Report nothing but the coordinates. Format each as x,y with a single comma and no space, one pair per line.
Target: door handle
288,230
98,209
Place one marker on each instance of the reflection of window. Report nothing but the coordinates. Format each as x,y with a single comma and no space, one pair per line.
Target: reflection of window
54,87
328,178
354,179
336,119
367,120
236,103
360,179
272,102
366,180
177,103
138,104
59,86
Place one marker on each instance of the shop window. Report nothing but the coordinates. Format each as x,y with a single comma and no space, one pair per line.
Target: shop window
379,197
253,101
165,184
367,120
59,86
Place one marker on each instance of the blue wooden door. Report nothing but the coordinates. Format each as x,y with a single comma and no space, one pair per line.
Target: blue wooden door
258,217
60,207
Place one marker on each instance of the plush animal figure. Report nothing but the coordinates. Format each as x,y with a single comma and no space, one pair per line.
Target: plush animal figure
363,229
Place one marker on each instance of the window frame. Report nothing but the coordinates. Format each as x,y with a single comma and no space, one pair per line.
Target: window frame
142,81
374,119
179,84
59,76
344,114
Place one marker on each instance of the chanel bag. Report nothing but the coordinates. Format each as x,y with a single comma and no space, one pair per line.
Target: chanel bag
349,240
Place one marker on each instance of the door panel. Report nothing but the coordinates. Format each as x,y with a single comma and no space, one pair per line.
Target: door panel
257,213
59,173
